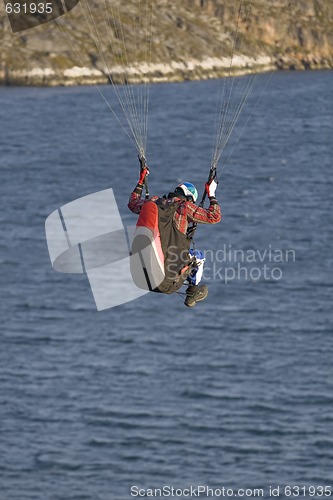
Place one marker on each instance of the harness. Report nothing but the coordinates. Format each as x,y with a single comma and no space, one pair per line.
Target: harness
160,258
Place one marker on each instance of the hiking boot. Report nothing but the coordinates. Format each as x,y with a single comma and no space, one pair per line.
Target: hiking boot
194,294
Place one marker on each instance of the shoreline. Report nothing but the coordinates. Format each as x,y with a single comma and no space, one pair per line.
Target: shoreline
174,71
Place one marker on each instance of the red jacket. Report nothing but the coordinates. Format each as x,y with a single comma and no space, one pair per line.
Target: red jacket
187,211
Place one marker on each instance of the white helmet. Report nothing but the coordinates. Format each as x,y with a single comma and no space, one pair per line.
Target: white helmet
188,190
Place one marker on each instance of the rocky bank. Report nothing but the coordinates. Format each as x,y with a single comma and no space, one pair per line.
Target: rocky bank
172,41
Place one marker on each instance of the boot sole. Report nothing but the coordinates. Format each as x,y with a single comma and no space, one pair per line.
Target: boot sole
191,303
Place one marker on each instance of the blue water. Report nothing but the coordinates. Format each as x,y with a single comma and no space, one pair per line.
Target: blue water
236,392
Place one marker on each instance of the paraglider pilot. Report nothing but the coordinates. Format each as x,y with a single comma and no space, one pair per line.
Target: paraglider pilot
180,208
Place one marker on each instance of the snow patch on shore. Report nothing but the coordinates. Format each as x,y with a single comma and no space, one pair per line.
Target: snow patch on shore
78,72
140,72
209,64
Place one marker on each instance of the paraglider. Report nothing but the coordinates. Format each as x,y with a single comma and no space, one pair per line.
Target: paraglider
162,260
161,257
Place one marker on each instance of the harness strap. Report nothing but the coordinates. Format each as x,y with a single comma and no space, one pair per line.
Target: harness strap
191,230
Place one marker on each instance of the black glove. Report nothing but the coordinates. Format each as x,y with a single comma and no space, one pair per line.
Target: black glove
144,169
